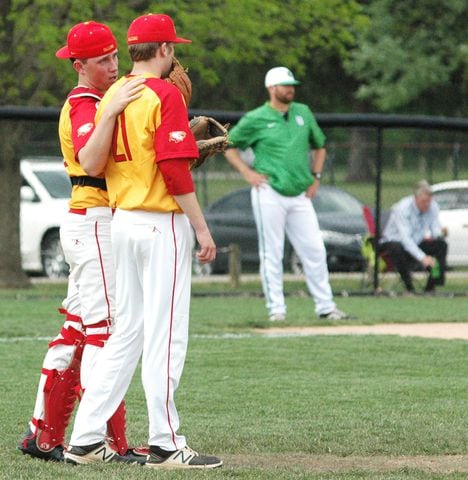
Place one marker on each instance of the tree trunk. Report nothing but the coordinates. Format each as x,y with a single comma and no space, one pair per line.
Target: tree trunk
360,159
361,153
11,272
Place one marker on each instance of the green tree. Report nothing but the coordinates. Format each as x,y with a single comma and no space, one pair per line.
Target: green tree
30,33
234,43
414,56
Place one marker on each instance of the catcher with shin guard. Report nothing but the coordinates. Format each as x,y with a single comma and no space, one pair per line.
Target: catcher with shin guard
69,363
211,137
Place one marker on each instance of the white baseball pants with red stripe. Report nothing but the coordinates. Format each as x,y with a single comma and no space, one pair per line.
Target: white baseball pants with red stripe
86,243
90,301
152,255
276,215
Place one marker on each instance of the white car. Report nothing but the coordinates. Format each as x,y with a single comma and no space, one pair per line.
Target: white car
452,198
45,191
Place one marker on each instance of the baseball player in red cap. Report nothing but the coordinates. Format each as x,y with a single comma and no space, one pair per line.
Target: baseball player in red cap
85,236
150,185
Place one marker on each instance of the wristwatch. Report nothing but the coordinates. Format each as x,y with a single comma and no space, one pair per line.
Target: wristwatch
317,175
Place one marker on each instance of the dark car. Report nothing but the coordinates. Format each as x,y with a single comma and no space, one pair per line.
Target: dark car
340,217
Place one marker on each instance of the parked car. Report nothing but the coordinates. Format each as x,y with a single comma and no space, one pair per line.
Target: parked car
340,217
45,192
452,198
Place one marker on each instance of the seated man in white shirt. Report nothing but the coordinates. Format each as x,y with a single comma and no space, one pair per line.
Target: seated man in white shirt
413,232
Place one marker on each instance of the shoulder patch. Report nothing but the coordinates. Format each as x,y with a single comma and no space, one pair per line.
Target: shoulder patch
84,129
177,136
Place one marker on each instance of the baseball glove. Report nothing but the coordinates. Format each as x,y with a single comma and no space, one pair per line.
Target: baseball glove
178,76
211,138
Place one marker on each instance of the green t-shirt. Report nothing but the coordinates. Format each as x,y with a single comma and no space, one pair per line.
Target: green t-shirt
281,145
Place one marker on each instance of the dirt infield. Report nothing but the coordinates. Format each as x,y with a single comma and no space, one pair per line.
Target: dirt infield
441,464
447,331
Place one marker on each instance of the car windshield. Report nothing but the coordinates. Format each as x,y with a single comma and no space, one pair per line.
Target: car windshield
336,201
56,182
452,199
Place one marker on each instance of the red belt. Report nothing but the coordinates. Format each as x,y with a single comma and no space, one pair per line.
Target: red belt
78,211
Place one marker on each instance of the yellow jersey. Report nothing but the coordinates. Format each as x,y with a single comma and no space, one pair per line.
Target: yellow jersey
76,124
151,129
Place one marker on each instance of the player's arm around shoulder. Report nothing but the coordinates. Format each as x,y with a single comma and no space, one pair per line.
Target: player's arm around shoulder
93,156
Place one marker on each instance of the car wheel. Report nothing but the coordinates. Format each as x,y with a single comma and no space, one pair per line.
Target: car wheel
53,259
295,263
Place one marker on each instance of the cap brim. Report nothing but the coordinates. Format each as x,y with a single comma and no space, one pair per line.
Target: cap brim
63,53
181,40
292,82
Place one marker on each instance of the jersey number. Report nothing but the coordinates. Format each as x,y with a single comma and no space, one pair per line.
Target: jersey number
122,127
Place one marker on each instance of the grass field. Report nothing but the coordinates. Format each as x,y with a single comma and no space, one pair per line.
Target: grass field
316,407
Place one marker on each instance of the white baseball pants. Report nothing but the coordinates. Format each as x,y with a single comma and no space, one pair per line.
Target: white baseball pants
86,242
152,253
276,215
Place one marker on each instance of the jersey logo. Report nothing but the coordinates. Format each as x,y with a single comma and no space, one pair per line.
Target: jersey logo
271,125
84,129
299,120
177,136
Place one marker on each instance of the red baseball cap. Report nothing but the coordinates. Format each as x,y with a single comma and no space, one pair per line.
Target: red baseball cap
88,40
153,28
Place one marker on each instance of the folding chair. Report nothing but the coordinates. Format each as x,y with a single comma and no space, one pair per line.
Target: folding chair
386,269
368,249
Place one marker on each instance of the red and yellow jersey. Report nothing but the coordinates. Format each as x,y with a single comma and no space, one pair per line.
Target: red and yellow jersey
76,124
151,129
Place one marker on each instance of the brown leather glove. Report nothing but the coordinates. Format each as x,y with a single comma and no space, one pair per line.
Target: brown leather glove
211,138
178,76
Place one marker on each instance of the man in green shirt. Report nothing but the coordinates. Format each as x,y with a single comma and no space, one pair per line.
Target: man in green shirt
281,133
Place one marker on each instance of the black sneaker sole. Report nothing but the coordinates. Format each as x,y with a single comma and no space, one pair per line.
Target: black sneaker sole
55,455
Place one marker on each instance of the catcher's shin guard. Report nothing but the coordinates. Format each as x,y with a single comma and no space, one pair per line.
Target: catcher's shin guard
60,393
98,333
116,426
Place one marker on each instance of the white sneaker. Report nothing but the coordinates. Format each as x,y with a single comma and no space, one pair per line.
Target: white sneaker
277,317
183,458
97,453
335,314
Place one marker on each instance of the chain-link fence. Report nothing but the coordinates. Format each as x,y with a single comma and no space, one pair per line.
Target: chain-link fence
375,159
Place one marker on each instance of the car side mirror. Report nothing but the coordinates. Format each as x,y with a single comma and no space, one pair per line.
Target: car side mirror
27,194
